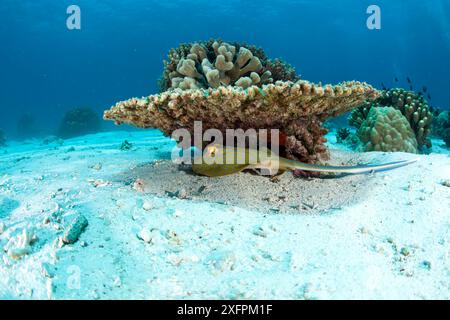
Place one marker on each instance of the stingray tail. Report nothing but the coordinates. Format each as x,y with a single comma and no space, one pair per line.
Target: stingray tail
369,168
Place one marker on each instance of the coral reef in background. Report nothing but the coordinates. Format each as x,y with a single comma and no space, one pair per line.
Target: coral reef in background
2,139
216,63
441,125
386,129
342,134
78,122
411,105
26,127
296,109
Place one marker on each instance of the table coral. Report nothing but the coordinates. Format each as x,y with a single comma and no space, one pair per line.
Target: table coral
233,85
297,109
412,106
386,129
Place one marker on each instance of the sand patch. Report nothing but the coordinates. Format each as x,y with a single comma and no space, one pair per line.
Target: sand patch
284,194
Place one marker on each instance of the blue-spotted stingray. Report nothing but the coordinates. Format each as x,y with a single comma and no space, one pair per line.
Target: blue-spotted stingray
218,160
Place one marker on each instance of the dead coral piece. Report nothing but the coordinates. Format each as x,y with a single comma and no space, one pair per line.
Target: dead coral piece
385,129
75,229
413,107
296,109
20,246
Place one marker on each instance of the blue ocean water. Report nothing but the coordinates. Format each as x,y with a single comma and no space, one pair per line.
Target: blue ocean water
47,69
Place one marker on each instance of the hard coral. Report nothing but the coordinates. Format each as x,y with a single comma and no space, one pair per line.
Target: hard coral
296,109
386,129
412,106
79,121
235,86
214,63
441,125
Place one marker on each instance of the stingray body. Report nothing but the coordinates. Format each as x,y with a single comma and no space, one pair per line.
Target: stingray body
218,160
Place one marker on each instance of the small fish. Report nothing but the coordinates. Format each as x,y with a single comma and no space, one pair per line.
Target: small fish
396,79
420,94
411,88
424,89
429,96
383,86
220,161
408,79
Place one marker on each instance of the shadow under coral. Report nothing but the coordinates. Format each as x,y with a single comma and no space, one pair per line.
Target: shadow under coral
282,194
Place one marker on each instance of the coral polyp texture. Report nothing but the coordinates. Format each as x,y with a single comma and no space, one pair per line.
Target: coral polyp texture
296,109
215,63
412,106
235,86
386,129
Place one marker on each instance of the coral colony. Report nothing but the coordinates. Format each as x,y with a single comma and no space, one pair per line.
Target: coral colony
385,132
234,85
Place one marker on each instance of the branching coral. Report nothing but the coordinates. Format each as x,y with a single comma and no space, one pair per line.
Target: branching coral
297,109
79,121
386,129
215,63
413,107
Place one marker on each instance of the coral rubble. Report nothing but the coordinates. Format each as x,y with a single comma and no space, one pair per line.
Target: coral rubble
386,129
78,122
412,106
231,86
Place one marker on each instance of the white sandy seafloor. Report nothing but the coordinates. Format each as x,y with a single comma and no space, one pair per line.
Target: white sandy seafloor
391,243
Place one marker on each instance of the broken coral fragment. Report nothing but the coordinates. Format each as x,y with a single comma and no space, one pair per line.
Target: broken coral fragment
20,245
75,229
